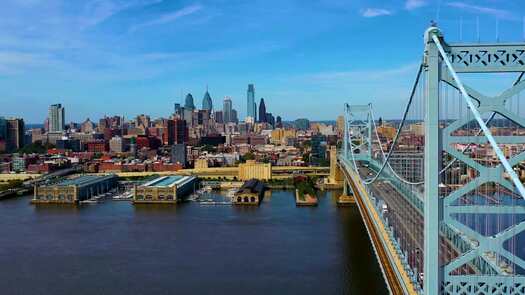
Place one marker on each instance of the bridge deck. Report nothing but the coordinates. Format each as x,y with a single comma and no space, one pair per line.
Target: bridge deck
397,279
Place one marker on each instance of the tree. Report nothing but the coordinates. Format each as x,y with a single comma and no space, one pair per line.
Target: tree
209,148
35,148
248,156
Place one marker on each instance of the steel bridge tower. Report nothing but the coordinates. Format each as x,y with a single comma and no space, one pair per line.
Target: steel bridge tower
442,64
456,212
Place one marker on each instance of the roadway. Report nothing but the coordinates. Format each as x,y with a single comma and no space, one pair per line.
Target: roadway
395,275
408,225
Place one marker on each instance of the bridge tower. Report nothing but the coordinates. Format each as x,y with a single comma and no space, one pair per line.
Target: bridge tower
459,226
358,131
460,213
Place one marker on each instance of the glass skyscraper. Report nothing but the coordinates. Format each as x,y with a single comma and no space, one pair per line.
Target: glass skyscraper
207,103
188,104
262,111
56,118
3,128
250,103
227,110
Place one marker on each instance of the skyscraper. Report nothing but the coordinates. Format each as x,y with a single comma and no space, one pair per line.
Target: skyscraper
262,111
175,132
188,104
279,122
56,118
3,128
15,134
250,102
207,103
227,110
219,117
234,117
270,119
178,154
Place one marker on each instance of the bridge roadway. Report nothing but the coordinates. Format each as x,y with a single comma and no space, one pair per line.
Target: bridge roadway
408,223
231,172
397,279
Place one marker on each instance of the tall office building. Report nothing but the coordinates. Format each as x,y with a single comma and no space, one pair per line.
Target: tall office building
188,104
181,132
207,103
250,102
175,132
279,122
3,128
56,118
270,119
15,134
178,154
227,110
262,111
177,109
219,117
234,116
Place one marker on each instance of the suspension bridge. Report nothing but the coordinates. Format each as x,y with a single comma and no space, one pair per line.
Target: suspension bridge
440,189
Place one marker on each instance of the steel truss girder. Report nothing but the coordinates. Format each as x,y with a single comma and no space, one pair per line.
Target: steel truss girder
495,58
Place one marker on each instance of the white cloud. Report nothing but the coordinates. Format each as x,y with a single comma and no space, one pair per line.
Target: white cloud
97,11
373,12
14,62
169,17
499,13
414,4
361,76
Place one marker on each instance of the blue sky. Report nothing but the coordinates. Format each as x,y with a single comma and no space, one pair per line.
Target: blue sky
305,57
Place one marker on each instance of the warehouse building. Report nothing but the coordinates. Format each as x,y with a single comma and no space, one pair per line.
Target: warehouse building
168,189
71,191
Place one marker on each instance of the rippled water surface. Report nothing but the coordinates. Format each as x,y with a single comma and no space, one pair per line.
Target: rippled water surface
118,248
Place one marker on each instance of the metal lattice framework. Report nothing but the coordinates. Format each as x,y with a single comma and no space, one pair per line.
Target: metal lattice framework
477,267
451,60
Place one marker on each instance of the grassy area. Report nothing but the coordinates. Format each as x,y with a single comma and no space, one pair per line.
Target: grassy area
304,186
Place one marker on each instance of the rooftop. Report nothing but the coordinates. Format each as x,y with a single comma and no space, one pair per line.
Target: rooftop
83,180
167,181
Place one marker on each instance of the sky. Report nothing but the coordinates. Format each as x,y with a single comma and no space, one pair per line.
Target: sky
305,57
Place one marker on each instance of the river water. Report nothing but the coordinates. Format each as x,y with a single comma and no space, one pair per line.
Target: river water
117,248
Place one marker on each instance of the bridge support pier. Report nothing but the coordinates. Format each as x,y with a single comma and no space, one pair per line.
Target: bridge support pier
347,198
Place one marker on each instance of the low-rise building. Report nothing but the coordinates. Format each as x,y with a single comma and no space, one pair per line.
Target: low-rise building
250,193
252,169
168,189
71,191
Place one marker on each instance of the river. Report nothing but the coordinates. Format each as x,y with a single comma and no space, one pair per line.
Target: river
117,248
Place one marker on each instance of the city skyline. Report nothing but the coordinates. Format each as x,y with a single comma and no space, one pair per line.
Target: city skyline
67,52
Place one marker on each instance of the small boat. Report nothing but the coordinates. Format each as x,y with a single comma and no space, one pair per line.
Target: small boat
89,202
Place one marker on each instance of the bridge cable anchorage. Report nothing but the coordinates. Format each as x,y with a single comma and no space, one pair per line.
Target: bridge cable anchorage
478,118
394,142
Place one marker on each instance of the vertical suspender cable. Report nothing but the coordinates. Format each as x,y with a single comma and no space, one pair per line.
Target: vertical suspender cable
480,121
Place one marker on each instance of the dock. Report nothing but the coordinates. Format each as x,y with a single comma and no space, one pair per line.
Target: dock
305,199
